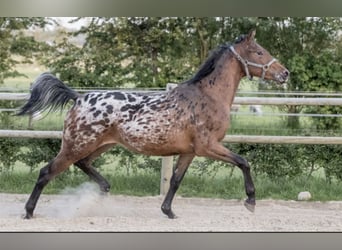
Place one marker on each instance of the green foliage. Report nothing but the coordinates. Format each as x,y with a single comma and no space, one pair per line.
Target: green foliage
309,47
9,149
292,160
36,152
131,162
14,42
5,116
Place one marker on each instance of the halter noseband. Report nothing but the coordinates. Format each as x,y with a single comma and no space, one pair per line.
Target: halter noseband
246,63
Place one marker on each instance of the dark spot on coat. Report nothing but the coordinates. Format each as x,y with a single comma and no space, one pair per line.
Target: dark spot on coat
212,81
153,107
203,105
192,120
119,96
101,123
125,108
131,98
97,113
92,101
132,108
109,109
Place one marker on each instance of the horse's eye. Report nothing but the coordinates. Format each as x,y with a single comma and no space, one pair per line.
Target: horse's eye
259,53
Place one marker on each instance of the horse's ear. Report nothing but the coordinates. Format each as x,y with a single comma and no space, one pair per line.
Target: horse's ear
251,35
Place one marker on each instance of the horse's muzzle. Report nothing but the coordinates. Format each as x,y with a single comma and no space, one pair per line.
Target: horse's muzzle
283,76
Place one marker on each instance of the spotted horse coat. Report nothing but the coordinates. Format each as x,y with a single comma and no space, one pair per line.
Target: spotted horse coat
141,122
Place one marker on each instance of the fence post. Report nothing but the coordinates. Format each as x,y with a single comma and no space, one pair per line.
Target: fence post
167,162
166,174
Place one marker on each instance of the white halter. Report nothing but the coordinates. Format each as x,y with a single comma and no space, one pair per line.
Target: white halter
247,63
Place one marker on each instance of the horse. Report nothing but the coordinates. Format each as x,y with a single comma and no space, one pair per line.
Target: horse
189,120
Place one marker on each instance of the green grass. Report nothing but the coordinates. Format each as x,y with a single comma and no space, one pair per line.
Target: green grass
147,184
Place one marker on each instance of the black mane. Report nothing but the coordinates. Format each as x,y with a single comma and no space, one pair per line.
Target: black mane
209,65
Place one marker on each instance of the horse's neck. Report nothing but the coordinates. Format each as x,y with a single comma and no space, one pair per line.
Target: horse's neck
223,83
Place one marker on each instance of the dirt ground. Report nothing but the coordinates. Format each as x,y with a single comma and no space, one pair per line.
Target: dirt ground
84,209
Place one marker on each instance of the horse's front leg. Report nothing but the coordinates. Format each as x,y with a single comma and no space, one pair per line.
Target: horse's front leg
177,176
219,152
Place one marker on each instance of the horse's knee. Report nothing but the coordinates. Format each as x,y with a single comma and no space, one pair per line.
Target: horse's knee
44,176
241,162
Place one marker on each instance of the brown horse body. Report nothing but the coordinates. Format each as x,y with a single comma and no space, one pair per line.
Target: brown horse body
188,121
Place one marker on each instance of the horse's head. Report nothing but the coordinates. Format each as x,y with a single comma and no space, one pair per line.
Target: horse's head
257,61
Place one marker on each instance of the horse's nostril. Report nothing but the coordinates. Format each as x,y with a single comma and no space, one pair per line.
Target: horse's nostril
286,73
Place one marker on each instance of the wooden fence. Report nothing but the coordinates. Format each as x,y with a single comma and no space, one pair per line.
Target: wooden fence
167,162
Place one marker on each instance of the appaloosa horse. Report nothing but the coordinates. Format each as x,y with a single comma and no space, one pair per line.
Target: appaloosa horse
189,120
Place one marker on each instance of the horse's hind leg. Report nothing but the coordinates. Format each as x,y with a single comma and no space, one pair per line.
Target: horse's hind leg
47,173
85,165
177,176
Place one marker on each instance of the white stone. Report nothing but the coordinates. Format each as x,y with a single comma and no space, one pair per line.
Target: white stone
304,196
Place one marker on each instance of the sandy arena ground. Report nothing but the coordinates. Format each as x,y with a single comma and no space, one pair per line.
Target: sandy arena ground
84,209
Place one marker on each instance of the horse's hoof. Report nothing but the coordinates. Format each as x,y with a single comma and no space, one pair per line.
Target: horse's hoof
169,213
104,194
28,216
172,216
250,206
105,188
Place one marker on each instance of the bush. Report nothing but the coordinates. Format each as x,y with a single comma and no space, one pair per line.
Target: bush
290,160
9,151
37,151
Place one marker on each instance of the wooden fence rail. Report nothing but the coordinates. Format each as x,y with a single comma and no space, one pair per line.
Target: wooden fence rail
228,138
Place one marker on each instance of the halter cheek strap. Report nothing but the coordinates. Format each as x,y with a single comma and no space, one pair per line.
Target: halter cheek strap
247,63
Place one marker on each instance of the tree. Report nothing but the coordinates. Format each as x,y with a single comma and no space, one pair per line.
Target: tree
13,42
139,52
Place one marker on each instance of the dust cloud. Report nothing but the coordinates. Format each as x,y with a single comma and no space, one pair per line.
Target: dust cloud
82,201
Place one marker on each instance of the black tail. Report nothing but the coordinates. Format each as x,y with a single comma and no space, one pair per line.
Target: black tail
48,92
